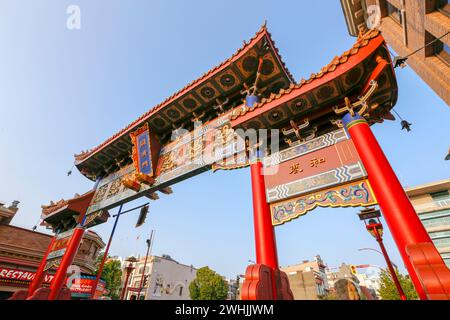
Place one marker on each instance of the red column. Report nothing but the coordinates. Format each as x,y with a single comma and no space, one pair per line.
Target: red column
404,224
61,274
266,249
40,273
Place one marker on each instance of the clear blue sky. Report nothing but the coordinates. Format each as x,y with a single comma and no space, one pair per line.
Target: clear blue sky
62,91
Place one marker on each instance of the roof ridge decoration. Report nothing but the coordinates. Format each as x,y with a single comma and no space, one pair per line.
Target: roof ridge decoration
52,207
261,32
362,41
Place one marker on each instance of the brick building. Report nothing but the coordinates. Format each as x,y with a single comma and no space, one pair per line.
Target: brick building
408,25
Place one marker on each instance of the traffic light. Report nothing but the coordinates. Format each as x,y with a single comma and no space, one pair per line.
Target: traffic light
142,216
353,269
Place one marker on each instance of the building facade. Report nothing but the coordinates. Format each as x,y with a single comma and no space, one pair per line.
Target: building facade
343,272
21,251
347,285
432,204
408,25
308,279
167,279
372,283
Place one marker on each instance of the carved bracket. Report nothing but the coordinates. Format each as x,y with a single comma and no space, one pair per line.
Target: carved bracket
360,106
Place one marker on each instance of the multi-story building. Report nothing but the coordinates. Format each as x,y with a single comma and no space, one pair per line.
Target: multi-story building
308,280
372,283
364,287
344,272
233,288
432,204
167,279
21,251
407,26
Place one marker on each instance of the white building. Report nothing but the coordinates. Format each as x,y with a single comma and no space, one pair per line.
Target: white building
372,283
167,279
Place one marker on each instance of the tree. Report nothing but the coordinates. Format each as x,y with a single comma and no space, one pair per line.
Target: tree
112,274
388,291
208,285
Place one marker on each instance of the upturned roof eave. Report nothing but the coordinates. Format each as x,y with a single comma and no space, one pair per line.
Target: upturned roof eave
315,80
263,32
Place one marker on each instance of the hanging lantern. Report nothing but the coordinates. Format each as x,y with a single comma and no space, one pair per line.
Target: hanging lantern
406,125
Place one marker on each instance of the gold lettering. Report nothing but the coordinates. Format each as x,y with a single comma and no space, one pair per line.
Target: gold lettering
315,162
295,168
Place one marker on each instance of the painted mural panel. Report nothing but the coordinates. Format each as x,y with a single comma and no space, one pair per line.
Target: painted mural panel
189,154
353,194
323,162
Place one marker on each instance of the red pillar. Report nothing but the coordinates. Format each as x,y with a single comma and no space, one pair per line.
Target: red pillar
61,274
404,224
266,249
40,273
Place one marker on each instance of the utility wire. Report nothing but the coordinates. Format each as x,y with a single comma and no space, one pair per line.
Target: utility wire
397,114
426,45
400,61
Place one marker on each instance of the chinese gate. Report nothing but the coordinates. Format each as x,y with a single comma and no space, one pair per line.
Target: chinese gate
318,151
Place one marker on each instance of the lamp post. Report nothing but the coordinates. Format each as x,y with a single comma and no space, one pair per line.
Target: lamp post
149,243
105,254
371,218
128,270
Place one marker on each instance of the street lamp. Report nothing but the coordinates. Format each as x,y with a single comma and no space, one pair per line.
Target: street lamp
105,254
128,270
149,243
371,218
372,249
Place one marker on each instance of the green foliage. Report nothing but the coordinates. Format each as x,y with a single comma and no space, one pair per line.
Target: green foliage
112,274
329,296
388,291
208,285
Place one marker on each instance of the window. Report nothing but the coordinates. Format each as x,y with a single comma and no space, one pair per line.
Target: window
442,195
439,234
442,242
443,6
436,222
394,12
443,52
181,291
436,214
447,262
446,258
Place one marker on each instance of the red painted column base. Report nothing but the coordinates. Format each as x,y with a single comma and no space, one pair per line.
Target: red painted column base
41,294
431,270
258,284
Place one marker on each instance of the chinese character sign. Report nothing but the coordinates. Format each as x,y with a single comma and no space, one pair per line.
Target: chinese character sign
142,156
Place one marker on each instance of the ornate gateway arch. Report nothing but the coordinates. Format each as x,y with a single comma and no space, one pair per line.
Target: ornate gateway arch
318,151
